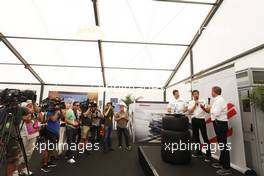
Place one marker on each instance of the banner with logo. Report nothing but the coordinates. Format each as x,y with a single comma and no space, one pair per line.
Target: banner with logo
147,121
74,96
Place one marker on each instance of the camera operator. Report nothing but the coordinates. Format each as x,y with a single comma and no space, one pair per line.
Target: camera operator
51,138
29,130
86,123
11,142
108,126
96,123
13,148
72,126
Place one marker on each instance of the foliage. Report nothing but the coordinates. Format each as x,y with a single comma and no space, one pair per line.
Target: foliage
129,99
257,97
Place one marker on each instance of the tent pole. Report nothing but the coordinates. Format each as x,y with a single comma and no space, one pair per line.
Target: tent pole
41,93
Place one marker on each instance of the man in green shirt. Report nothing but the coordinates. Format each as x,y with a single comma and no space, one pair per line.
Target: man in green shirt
71,131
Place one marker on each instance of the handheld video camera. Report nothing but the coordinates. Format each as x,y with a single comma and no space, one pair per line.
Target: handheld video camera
85,105
16,96
52,105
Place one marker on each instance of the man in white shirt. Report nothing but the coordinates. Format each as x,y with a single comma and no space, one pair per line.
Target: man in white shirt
218,112
177,106
198,124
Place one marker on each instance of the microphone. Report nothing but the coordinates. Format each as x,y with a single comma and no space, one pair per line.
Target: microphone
209,101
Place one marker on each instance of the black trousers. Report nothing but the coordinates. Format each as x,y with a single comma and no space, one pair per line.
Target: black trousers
79,136
221,128
95,134
123,131
71,134
200,125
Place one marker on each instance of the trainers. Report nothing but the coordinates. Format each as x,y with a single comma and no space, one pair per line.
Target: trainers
207,159
120,147
224,171
194,156
129,148
45,169
197,155
51,164
71,161
24,172
217,166
15,173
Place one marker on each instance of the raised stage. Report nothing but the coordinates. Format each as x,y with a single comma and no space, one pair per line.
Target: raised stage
152,164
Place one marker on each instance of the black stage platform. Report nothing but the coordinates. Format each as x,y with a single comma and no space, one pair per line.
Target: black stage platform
152,164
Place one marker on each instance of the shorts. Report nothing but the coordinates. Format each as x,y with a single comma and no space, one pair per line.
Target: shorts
85,132
13,151
51,140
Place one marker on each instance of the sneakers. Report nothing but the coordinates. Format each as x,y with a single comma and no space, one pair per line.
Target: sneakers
45,169
207,159
15,173
196,155
51,164
224,172
129,148
71,161
24,172
217,166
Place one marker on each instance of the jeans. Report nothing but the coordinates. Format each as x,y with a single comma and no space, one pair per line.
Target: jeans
123,131
108,136
200,125
221,128
71,134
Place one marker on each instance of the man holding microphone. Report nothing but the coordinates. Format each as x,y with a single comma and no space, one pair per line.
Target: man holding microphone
199,124
218,112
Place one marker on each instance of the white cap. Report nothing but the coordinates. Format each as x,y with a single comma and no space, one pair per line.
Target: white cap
122,104
24,104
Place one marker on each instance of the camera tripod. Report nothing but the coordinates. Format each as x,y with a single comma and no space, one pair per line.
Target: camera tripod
10,130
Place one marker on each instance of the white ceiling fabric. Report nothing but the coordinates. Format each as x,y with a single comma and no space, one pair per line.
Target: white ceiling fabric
40,23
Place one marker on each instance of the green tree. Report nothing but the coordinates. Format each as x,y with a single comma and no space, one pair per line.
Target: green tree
257,97
128,100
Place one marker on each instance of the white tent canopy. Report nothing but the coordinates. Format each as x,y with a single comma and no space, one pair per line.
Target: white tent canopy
141,41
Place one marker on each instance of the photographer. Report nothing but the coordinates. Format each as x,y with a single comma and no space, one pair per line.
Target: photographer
51,138
11,114
108,126
72,125
96,123
29,130
86,123
12,147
